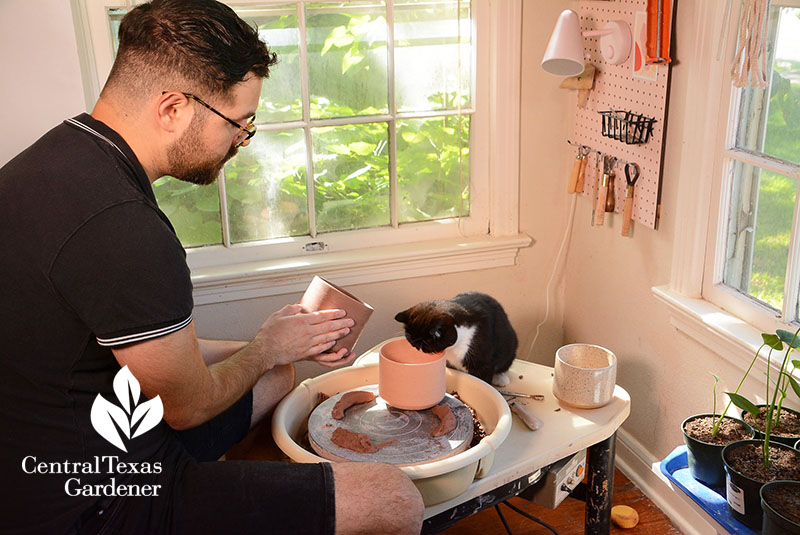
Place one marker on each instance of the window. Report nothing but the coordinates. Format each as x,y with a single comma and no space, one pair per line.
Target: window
757,257
394,114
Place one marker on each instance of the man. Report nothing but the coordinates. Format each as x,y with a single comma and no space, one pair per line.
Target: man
93,279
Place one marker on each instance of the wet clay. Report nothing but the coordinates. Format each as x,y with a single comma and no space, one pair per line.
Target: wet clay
357,442
348,400
447,422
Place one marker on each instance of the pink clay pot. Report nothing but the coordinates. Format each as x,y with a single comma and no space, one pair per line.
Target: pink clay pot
324,295
408,378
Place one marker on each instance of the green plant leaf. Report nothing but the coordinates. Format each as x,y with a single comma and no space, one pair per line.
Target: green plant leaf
796,363
743,403
351,59
344,150
789,338
795,385
773,341
339,37
361,148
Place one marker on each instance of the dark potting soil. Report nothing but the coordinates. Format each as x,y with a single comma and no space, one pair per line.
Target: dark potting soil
786,501
730,430
788,423
748,460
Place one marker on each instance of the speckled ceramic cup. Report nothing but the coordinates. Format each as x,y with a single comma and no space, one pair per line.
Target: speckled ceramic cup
584,375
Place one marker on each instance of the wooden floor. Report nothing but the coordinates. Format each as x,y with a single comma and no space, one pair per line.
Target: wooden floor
568,519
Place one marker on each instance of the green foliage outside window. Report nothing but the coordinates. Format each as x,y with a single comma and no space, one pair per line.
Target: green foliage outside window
776,198
265,183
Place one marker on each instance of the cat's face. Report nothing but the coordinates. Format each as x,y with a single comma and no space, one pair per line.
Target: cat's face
428,327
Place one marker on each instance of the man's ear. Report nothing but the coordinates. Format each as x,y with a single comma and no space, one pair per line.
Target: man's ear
173,112
402,317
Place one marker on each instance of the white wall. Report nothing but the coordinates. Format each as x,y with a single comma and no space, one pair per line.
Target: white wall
41,79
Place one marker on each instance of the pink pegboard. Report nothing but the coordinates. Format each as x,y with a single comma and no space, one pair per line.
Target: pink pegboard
616,87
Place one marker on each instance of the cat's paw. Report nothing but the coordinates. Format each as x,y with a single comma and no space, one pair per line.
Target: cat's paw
501,379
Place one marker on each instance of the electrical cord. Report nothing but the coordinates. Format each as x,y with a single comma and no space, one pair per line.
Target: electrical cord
564,240
503,519
526,515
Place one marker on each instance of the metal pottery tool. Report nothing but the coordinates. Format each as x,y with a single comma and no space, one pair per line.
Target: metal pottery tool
580,161
600,211
630,168
535,397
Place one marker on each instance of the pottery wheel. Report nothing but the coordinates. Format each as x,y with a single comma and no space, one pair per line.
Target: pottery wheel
383,423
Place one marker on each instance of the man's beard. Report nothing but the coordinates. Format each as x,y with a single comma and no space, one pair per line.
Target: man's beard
190,163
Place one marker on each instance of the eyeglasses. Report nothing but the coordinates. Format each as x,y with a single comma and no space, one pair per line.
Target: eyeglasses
249,130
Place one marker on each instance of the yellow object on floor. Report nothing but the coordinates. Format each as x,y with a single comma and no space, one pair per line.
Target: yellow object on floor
624,516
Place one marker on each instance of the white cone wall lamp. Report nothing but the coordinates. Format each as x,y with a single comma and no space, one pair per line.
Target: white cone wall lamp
565,55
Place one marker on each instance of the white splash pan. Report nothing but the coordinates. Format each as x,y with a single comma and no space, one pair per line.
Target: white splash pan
437,481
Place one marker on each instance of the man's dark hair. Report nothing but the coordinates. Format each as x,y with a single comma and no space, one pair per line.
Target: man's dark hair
201,43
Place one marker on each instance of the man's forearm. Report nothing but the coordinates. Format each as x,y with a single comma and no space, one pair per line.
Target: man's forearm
231,377
218,350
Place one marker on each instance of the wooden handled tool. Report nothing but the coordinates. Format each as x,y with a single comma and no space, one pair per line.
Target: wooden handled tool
602,198
580,161
600,211
630,168
596,187
582,172
610,196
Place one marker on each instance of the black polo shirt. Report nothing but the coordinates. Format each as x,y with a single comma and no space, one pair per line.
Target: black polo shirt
87,262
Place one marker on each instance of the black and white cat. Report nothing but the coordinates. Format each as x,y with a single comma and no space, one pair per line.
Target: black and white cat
473,330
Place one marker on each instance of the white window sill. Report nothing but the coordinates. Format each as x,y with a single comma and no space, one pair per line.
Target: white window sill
727,335
373,264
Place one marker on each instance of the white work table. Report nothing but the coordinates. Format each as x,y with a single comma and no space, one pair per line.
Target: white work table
519,459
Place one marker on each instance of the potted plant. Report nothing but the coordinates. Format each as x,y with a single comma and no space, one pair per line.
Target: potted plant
751,463
706,434
785,424
780,501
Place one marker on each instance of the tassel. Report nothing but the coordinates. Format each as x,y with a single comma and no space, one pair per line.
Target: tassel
750,62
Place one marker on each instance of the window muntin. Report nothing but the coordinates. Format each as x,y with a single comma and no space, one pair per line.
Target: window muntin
366,172
761,259
759,233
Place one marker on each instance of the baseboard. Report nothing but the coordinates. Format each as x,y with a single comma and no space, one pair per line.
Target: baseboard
641,467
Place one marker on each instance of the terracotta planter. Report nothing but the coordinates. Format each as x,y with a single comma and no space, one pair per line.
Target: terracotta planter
705,459
775,523
410,379
789,440
324,295
743,492
584,376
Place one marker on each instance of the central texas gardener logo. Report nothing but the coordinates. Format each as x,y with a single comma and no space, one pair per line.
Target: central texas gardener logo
136,419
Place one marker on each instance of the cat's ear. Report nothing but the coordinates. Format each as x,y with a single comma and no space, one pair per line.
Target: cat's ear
402,317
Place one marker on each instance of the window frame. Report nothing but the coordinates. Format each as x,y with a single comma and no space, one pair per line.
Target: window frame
726,154
494,178
718,316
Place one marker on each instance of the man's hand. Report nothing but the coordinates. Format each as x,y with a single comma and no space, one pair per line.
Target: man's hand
290,335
